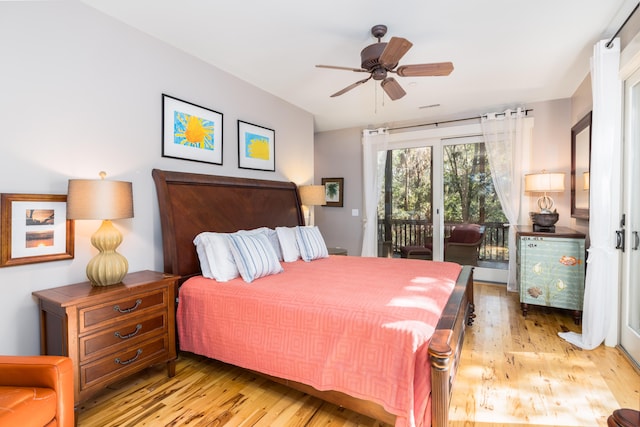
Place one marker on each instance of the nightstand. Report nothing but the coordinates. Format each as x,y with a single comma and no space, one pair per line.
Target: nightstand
551,269
110,332
337,251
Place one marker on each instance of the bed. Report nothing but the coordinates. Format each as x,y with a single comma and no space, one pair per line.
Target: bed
419,395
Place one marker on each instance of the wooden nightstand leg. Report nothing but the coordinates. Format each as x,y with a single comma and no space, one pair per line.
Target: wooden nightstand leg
171,368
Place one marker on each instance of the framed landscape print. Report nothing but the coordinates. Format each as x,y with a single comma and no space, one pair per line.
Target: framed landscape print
34,228
256,147
191,132
334,191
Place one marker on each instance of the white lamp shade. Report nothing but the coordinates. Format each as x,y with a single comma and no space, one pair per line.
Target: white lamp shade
544,182
99,199
312,195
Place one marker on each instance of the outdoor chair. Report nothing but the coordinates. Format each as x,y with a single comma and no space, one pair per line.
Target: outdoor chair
461,247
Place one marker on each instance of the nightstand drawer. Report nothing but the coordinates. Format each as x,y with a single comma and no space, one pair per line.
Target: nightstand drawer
117,364
96,316
121,335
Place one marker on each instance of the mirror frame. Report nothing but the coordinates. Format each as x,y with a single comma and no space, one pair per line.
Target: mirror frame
582,125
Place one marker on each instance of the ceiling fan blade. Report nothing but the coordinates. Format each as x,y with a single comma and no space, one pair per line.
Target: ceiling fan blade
396,48
334,67
417,70
351,86
392,88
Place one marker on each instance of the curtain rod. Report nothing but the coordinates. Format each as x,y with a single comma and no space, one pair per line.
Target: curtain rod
526,111
610,42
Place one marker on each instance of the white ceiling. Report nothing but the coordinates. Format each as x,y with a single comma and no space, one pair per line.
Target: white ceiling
505,52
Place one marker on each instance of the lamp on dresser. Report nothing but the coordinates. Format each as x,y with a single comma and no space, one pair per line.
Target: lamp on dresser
104,200
311,195
545,182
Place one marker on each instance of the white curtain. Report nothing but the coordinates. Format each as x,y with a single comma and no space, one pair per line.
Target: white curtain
374,147
505,141
602,281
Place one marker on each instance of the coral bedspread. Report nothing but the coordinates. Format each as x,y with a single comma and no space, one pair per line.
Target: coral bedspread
357,325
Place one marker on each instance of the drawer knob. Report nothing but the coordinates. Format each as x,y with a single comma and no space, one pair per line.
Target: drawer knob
133,359
131,335
127,310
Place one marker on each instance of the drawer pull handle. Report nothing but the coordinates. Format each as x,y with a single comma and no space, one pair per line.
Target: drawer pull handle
131,335
133,359
127,310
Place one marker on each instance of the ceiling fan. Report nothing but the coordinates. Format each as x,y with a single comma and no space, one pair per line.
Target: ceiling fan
380,59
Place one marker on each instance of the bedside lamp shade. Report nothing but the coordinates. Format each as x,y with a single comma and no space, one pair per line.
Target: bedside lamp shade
544,183
312,195
105,200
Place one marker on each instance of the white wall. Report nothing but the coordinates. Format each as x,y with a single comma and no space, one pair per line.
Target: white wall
80,93
338,154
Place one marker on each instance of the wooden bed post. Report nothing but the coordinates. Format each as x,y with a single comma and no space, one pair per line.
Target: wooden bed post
446,345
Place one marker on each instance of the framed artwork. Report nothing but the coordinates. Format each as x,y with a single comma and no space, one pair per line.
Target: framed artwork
334,191
34,228
256,147
191,132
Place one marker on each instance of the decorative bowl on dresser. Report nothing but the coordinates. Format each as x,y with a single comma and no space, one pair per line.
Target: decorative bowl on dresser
110,332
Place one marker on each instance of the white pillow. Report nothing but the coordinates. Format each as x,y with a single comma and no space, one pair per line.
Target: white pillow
217,254
288,244
311,243
254,256
202,256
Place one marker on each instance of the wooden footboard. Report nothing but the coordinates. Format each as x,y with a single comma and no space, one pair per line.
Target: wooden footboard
446,346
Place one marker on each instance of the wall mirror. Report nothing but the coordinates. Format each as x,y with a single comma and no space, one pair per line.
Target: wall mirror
580,164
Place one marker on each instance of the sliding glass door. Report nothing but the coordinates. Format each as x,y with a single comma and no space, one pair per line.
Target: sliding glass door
432,186
405,211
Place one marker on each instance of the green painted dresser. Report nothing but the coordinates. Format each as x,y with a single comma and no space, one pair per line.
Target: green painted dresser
551,269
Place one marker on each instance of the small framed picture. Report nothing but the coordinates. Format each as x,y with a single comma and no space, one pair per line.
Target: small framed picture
256,147
191,132
334,191
34,228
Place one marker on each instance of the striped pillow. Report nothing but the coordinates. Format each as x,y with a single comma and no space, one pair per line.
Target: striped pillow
254,256
311,243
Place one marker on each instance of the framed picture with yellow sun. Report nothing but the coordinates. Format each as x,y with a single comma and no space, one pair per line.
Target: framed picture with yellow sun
256,147
191,132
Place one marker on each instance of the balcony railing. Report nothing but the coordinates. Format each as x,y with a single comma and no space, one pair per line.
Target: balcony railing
407,232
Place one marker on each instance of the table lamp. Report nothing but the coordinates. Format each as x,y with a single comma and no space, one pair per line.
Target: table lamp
544,183
105,200
311,195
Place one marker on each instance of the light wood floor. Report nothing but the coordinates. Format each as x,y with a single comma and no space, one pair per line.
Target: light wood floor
514,371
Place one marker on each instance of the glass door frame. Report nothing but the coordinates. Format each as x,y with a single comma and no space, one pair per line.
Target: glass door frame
630,271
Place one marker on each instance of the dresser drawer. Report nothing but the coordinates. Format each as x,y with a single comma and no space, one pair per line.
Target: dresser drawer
122,335
130,359
120,309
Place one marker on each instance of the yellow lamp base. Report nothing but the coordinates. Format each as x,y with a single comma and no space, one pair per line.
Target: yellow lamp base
108,267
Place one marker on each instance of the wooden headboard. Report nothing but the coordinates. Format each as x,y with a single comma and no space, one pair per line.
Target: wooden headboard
192,203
